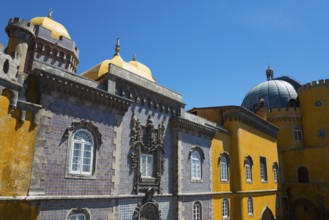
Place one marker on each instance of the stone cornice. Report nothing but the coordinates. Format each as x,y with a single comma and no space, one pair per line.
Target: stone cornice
244,116
50,82
142,91
28,106
196,128
10,84
142,82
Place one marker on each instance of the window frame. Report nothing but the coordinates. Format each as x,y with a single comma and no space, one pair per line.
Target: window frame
197,211
298,134
77,215
82,149
223,163
275,169
147,156
248,163
250,206
225,208
78,212
263,169
196,166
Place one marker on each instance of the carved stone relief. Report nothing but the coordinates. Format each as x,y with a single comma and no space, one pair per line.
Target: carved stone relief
149,208
150,141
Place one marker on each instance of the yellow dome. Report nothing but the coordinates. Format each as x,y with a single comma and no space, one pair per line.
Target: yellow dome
144,71
133,66
102,68
56,28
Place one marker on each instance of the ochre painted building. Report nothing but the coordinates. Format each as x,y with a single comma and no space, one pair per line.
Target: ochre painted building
139,154
243,162
301,113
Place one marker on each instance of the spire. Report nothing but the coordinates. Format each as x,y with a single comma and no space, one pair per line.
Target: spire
269,73
117,47
134,58
50,13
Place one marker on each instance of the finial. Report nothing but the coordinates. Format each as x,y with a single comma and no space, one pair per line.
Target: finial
50,13
269,73
117,47
134,58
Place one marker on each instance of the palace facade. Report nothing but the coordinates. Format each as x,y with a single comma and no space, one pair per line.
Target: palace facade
111,143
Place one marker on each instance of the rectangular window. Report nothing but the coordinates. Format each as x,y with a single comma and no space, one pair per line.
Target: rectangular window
263,169
298,134
146,165
248,172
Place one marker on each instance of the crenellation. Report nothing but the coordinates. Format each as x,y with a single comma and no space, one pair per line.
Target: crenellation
314,84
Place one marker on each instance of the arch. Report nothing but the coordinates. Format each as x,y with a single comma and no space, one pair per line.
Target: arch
267,214
303,208
302,174
199,150
78,212
6,66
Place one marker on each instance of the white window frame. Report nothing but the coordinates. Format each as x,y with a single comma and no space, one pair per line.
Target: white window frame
248,170
196,166
83,145
250,206
223,169
77,215
298,134
225,208
197,211
148,160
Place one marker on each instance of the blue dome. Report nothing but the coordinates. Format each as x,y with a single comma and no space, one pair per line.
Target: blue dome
273,94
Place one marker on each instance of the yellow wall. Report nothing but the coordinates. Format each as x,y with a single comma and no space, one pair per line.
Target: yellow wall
18,211
315,118
17,148
248,141
221,143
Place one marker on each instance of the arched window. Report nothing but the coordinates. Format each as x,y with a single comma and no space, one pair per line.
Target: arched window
248,163
223,163
79,216
275,171
303,175
250,206
197,211
195,165
225,208
82,153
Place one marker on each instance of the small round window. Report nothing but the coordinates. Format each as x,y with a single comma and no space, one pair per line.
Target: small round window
318,103
322,133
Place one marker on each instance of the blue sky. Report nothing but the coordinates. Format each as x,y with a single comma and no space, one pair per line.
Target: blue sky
211,52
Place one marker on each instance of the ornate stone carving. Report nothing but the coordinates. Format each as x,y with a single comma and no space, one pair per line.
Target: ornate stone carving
150,141
149,208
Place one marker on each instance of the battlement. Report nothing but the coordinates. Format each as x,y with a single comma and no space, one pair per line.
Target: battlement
21,23
314,84
280,110
68,44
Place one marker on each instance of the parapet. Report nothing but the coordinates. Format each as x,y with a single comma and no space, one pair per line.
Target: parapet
63,42
314,84
20,23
